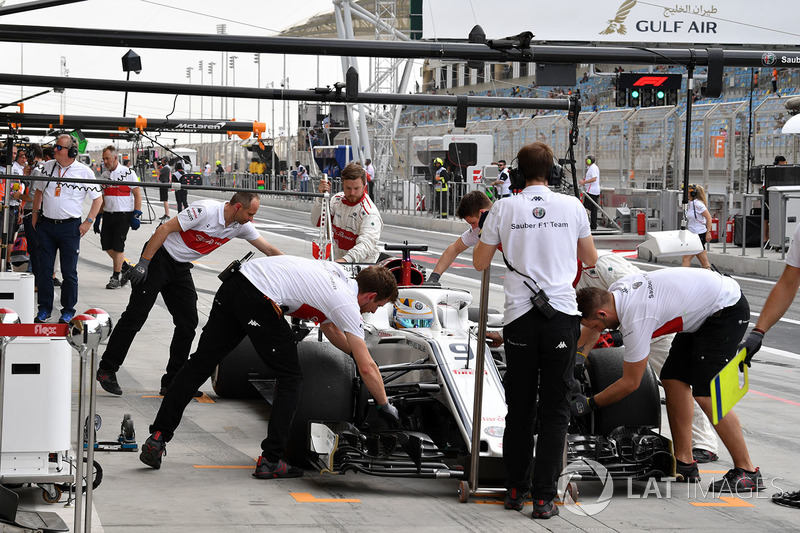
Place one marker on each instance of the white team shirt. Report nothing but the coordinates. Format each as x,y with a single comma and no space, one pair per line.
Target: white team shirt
505,185
593,172
471,237
302,173
694,215
65,200
370,172
793,255
674,300
203,231
119,198
313,290
539,230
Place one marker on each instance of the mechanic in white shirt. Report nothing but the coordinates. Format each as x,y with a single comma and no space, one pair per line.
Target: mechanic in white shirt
165,267
710,314
59,228
503,182
252,302
699,223
591,185
121,211
470,209
544,234
370,178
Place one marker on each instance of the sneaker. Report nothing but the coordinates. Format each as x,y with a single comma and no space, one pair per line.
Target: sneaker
515,499
687,473
56,282
41,317
152,450
543,509
123,279
164,218
113,283
704,456
66,317
108,380
738,480
163,392
268,470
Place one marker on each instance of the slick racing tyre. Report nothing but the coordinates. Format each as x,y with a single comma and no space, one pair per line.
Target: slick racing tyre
328,393
231,379
640,408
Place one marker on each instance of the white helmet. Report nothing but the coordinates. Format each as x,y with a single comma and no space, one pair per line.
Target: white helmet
410,313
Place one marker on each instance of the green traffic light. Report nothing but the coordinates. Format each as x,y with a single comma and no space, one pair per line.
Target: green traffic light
634,94
660,94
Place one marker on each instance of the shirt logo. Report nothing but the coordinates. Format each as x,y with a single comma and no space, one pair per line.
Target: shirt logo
538,199
253,323
539,212
637,284
561,344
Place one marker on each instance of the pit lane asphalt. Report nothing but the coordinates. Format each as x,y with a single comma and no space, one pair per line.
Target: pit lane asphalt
205,485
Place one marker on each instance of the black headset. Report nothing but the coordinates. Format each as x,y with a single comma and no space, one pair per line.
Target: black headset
72,152
693,191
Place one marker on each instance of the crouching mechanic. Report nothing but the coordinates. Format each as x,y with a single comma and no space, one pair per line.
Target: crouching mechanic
165,267
253,302
355,220
470,209
710,314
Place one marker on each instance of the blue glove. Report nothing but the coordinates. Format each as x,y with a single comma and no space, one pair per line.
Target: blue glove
138,273
97,220
389,414
136,219
751,343
581,405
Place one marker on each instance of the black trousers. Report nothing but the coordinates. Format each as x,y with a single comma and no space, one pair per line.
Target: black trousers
181,199
173,280
540,357
240,309
592,209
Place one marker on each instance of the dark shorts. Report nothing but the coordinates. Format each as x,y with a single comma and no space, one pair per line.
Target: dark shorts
163,194
114,230
695,358
703,238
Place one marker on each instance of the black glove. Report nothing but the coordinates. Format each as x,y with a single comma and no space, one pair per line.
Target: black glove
138,273
97,220
433,279
581,405
751,343
136,219
482,219
389,414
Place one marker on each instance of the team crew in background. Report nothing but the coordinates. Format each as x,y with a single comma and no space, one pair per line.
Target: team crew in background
59,228
355,221
121,210
165,268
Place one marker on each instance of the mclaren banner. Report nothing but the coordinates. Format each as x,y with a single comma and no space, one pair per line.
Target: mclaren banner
620,21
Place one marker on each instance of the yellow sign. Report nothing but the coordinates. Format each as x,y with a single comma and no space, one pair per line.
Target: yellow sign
725,389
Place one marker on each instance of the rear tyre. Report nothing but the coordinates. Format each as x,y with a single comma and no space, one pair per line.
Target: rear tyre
640,408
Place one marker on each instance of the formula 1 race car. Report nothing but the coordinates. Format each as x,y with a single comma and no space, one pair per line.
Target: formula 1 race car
425,346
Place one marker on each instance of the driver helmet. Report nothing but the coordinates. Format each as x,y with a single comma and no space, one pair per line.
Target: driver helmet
438,161
410,313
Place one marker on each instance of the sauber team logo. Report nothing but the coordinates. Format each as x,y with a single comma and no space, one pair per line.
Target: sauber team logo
539,212
637,284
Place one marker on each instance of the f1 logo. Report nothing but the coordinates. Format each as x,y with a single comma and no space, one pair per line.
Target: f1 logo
650,81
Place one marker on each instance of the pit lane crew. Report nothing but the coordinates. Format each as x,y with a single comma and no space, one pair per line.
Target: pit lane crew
543,235
355,220
710,314
252,302
164,267
470,209
121,210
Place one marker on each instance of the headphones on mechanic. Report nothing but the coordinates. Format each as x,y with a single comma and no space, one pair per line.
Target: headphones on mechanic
72,153
518,180
590,160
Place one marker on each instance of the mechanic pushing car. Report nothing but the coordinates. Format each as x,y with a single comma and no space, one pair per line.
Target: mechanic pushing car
544,234
165,267
253,302
356,222
710,314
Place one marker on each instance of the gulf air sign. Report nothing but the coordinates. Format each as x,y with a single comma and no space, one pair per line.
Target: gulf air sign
648,80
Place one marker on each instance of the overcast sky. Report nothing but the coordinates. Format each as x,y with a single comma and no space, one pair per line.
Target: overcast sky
264,18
